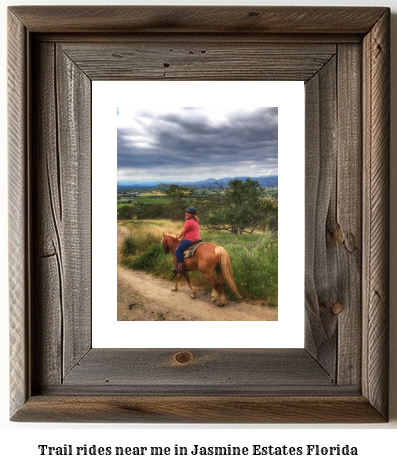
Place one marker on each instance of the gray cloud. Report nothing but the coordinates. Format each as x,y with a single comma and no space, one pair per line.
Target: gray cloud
196,143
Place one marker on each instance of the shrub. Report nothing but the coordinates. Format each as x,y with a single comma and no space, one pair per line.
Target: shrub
147,259
126,211
137,243
129,246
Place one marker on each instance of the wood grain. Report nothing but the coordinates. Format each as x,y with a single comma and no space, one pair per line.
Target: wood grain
199,409
157,370
205,60
189,19
347,225
376,90
48,295
321,278
333,215
341,375
19,224
63,216
74,142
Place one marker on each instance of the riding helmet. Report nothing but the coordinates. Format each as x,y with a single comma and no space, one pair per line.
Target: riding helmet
191,210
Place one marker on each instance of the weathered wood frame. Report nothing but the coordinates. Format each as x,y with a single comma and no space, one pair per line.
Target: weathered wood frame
342,54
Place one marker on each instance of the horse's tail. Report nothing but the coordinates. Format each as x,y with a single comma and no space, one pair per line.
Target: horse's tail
224,261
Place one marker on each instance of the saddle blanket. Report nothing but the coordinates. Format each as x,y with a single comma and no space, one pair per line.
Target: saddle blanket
191,249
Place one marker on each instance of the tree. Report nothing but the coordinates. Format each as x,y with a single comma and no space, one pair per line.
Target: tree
142,211
240,207
178,195
126,212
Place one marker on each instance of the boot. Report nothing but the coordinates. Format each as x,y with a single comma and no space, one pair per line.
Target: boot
179,268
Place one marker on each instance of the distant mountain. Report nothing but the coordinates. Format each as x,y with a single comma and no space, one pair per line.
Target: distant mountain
271,181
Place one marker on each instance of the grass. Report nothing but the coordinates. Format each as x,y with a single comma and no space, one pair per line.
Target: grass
254,257
120,205
141,250
156,225
255,266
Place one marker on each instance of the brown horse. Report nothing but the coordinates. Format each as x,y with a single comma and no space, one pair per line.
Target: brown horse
207,258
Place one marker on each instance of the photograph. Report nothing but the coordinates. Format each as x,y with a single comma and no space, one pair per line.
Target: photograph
197,213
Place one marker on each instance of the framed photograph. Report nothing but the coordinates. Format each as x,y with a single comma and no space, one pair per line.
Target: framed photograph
172,128
340,374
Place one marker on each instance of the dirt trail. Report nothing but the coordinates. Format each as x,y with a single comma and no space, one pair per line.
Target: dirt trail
142,297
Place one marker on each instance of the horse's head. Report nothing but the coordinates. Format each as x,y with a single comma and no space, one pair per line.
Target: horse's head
164,243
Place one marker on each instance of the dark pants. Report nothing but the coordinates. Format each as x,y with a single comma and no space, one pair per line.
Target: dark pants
179,251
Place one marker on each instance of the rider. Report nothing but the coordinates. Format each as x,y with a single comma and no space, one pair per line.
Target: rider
191,232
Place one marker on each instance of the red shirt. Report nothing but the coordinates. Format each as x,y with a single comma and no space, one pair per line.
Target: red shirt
192,230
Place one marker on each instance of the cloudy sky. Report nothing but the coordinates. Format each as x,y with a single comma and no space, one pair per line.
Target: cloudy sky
191,144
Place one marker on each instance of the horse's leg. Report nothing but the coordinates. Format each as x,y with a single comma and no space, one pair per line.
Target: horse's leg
215,284
175,288
178,275
222,285
194,294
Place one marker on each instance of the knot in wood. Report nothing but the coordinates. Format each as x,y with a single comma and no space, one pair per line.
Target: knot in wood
183,358
337,308
338,235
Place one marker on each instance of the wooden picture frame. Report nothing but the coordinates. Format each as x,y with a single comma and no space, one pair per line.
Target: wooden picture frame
342,54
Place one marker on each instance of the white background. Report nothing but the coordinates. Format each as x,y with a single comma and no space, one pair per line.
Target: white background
287,332
18,442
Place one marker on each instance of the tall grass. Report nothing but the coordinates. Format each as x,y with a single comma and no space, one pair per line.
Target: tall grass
141,249
155,226
254,257
255,266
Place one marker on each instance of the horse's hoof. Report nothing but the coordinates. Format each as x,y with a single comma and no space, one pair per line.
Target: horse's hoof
173,289
193,296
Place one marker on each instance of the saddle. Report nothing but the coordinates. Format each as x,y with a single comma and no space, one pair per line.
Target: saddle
191,248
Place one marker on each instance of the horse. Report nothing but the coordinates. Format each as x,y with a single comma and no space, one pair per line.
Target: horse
207,258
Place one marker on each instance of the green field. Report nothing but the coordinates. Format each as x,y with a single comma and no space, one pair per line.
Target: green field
143,200
161,199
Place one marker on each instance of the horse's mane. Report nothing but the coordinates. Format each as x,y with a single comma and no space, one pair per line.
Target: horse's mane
167,234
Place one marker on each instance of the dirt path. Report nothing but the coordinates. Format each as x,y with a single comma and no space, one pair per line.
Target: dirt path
142,297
